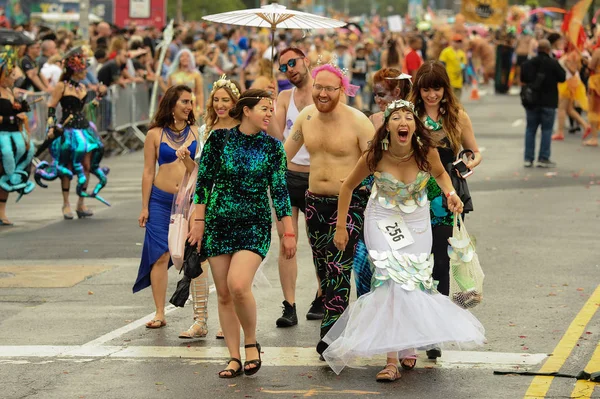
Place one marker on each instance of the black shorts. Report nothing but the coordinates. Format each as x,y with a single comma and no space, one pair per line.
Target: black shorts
297,183
521,59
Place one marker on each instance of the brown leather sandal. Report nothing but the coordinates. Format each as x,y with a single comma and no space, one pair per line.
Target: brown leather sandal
389,373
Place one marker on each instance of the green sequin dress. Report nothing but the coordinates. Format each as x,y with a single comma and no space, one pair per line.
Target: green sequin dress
238,210
440,216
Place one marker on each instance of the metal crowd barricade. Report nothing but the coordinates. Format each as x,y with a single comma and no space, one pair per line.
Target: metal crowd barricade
38,117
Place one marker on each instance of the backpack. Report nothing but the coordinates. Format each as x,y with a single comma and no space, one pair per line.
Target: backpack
530,92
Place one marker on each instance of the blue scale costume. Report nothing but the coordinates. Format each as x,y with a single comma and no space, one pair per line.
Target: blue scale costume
68,151
238,212
14,154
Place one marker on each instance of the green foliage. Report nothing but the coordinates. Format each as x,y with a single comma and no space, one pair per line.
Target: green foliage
194,10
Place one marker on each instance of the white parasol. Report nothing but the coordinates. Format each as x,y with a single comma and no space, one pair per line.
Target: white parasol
275,16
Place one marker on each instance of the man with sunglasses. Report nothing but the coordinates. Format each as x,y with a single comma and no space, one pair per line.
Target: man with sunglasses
294,65
335,136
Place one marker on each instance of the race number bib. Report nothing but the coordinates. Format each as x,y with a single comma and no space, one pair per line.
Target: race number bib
396,232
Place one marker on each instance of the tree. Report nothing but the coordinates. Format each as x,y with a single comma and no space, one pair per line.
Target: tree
196,9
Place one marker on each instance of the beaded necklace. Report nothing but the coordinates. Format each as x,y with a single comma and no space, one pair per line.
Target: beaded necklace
433,125
177,138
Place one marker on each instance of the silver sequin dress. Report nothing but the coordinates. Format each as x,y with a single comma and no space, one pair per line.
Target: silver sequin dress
403,311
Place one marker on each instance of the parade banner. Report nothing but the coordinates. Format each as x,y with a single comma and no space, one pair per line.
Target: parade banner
141,12
487,12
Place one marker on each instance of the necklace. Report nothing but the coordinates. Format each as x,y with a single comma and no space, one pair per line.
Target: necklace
74,85
402,158
432,125
179,137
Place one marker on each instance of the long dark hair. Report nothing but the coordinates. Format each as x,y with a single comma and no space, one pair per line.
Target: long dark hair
433,75
393,56
421,143
249,99
164,114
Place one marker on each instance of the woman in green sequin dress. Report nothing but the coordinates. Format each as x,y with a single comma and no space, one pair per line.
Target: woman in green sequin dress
451,127
232,224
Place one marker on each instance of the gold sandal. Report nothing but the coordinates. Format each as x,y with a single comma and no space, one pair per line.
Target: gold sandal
194,332
388,374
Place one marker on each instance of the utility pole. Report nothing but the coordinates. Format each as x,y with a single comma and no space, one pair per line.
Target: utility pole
84,19
179,11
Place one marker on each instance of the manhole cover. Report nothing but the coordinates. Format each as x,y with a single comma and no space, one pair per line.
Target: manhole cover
6,275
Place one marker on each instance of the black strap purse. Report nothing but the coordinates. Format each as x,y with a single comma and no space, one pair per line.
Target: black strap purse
460,184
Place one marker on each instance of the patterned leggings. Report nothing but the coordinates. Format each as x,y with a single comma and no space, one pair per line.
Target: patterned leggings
334,267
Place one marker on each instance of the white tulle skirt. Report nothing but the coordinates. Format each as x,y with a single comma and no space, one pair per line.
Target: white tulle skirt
393,319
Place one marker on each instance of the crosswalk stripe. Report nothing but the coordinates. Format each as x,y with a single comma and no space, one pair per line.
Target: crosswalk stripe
273,356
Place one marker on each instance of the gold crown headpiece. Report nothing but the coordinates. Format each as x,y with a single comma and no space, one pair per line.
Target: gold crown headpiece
224,82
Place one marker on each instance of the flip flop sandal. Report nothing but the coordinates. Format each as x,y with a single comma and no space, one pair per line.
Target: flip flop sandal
387,374
6,223
255,362
232,373
152,324
408,366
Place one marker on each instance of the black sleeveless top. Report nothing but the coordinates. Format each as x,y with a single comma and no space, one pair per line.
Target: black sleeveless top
7,110
72,105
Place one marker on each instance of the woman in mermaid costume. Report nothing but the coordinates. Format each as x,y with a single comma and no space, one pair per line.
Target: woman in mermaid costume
79,150
16,149
403,311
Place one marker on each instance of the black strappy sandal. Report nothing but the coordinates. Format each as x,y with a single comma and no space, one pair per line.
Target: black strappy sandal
255,362
232,373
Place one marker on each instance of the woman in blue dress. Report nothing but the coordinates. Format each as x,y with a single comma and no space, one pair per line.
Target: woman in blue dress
173,128
232,224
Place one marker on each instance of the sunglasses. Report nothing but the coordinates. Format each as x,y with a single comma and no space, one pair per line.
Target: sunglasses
291,63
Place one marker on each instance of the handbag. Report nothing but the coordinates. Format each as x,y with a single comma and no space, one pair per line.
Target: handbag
466,275
460,184
180,212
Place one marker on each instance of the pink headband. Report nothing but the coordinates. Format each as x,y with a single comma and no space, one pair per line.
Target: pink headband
349,89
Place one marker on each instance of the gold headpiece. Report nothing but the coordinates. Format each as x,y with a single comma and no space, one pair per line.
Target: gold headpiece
224,82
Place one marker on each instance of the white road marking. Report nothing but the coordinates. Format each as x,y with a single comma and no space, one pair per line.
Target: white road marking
133,325
518,122
273,356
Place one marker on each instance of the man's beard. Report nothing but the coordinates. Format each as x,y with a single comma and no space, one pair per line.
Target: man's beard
300,79
327,107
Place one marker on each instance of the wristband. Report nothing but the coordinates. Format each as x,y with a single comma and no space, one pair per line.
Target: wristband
450,194
292,235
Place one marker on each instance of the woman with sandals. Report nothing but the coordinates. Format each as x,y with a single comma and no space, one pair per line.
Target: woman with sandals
403,311
222,99
173,128
232,223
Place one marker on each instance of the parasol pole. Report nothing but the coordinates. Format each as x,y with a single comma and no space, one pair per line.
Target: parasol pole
273,27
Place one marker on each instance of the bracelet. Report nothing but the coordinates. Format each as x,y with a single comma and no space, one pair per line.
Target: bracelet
450,194
292,235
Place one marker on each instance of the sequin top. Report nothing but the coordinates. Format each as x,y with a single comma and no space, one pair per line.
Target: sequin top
250,165
391,192
72,105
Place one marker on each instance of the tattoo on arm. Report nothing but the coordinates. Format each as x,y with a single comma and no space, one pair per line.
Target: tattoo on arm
308,117
297,135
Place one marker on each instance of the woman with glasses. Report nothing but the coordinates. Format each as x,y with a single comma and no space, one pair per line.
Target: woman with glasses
174,127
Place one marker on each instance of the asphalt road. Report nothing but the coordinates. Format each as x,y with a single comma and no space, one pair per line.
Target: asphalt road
71,328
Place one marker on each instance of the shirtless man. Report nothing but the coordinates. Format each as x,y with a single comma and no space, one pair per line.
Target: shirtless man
319,53
335,136
522,50
294,64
